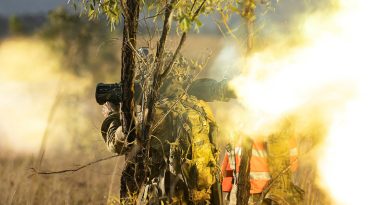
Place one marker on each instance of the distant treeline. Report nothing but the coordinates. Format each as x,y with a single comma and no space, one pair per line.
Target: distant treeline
27,23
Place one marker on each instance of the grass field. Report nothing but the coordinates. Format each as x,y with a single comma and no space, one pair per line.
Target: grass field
96,184
88,186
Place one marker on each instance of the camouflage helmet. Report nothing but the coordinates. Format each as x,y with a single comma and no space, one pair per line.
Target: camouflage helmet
175,82
179,77
171,88
143,52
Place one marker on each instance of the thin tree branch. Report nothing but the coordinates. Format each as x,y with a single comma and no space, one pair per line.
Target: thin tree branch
57,100
152,97
169,67
105,42
156,76
268,187
193,5
37,172
182,40
164,34
137,54
157,14
230,31
198,10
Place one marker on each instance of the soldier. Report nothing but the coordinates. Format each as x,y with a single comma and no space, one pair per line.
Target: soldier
183,154
260,173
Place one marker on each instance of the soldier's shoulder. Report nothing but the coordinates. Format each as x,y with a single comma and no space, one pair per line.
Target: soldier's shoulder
162,103
201,105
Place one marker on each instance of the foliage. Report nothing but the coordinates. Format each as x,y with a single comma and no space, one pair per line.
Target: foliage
246,8
15,25
183,13
75,40
110,8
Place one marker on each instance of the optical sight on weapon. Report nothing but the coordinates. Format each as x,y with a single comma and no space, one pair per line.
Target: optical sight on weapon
108,92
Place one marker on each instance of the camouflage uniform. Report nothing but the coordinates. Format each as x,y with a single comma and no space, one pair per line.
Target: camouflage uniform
182,146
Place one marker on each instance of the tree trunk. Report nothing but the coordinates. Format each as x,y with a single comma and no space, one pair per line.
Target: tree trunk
137,174
243,183
249,27
130,8
131,13
249,15
152,98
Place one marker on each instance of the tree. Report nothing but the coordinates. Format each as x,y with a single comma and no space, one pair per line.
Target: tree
73,37
185,13
15,25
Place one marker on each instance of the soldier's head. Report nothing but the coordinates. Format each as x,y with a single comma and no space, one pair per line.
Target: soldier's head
171,88
143,52
178,78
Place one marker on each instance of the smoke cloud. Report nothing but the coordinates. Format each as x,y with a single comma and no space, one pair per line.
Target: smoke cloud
324,71
38,98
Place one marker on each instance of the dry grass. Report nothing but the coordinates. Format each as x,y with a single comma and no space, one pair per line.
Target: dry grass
88,186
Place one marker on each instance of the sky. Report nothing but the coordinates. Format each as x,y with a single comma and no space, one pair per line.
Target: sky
17,7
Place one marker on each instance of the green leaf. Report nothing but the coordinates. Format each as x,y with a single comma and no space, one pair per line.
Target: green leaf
198,22
184,24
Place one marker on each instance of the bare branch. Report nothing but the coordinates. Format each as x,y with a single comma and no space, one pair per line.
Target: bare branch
269,186
146,131
230,31
57,100
157,14
37,172
164,34
142,59
169,67
198,10
105,42
182,40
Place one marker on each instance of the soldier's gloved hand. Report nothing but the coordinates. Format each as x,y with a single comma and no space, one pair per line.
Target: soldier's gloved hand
109,108
228,92
119,135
